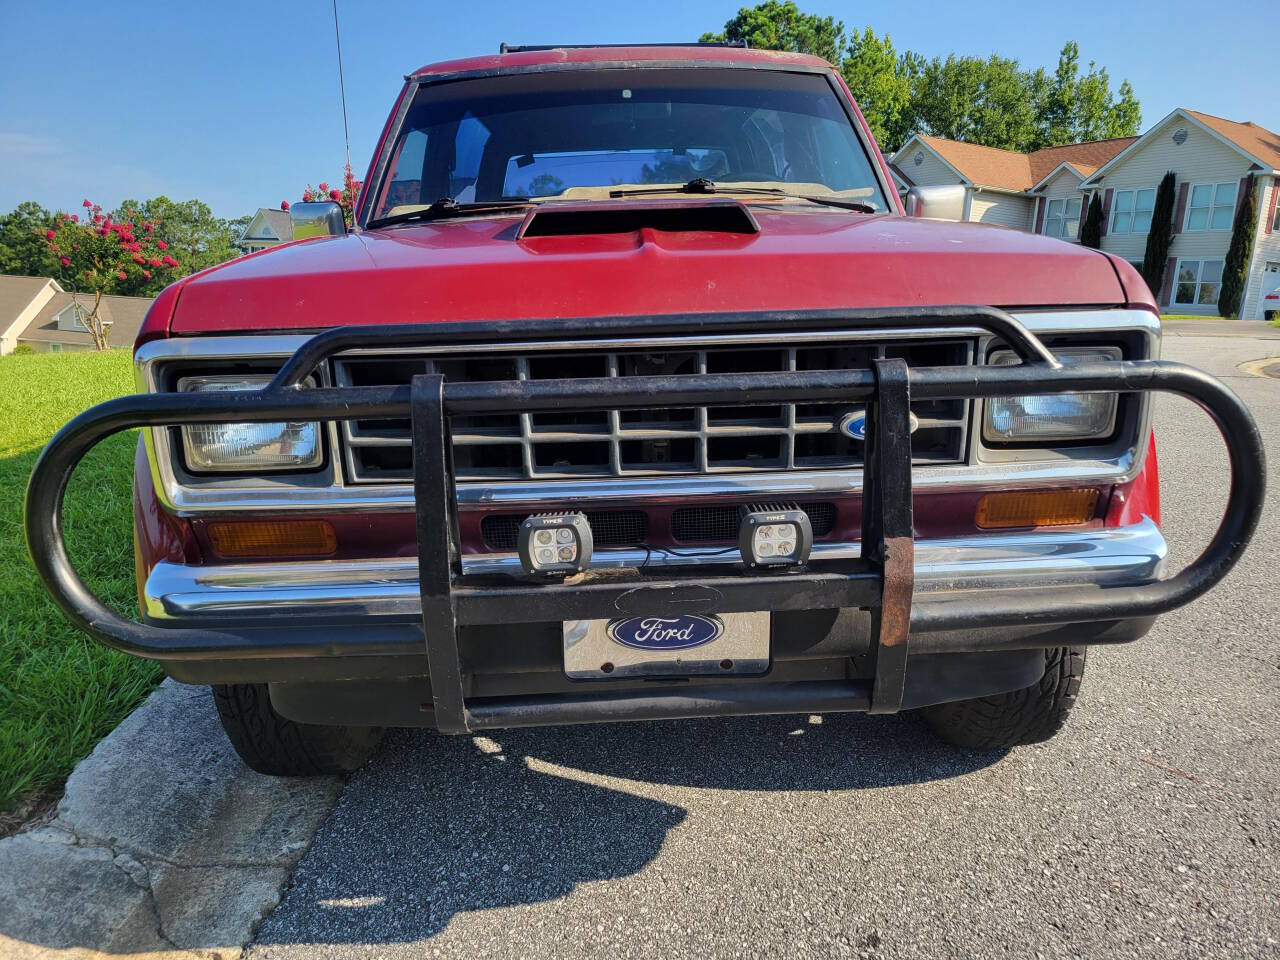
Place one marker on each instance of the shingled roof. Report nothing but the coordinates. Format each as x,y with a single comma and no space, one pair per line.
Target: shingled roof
1019,172
1254,140
123,314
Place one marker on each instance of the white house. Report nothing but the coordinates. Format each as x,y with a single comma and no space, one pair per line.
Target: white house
1213,161
267,228
1030,191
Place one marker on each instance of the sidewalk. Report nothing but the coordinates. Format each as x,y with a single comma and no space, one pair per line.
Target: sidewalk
164,844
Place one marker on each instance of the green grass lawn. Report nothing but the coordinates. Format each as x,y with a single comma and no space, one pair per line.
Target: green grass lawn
1190,316
61,692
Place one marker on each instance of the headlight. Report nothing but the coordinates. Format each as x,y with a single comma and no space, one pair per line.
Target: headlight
1051,417
227,447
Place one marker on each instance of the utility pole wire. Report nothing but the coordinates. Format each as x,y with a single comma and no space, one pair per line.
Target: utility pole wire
342,88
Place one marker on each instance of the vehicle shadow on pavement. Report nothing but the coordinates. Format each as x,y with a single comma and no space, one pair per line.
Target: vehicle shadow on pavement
436,826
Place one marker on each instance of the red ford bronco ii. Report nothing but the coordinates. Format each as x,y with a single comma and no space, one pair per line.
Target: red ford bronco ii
635,393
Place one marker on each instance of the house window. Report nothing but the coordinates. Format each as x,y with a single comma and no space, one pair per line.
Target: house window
1199,282
72,318
1062,217
1275,223
1131,211
1211,206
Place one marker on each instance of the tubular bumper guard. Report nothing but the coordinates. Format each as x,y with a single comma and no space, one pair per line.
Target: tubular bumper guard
881,580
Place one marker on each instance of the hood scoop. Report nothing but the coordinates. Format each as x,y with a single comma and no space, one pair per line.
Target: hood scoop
675,215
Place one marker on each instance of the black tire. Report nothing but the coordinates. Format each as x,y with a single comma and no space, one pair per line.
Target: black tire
1030,715
272,744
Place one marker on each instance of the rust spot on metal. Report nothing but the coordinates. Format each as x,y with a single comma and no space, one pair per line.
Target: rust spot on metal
899,583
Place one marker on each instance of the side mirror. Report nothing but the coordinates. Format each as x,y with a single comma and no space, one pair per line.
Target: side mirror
936,203
317,220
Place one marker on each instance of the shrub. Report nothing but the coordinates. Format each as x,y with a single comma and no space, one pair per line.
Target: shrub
1237,264
1091,230
1160,236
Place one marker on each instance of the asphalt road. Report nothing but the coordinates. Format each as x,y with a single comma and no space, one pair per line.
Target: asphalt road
1149,828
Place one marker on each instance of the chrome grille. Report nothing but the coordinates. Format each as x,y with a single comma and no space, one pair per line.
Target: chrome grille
651,442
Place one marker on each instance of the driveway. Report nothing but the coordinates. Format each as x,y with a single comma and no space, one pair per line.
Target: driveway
1150,827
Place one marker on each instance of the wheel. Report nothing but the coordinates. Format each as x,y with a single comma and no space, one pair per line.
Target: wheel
272,744
1270,315
1030,715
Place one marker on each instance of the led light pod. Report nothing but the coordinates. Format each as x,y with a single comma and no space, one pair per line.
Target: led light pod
774,535
555,543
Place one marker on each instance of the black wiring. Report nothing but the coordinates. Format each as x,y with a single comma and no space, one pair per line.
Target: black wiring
650,550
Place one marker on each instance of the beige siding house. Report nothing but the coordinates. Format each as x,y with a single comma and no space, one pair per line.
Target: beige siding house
21,299
1027,191
1214,161
38,313
1048,192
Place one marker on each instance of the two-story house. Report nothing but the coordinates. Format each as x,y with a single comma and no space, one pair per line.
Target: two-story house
1048,191
1214,161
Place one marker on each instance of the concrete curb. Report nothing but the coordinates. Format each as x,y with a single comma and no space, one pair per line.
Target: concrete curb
164,845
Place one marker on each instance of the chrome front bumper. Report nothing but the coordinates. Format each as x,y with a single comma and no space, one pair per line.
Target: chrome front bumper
348,591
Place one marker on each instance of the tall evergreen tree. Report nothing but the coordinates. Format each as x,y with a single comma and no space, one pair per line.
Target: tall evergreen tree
1091,229
1160,236
1236,267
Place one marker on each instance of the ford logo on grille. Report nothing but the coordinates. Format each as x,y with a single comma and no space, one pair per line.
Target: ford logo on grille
665,633
854,424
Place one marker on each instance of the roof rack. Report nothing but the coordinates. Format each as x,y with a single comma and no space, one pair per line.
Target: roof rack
530,48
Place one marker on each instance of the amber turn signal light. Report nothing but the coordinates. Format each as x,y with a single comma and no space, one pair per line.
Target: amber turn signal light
1044,508
272,538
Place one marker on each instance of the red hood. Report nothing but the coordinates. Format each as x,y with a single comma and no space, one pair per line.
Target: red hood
475,269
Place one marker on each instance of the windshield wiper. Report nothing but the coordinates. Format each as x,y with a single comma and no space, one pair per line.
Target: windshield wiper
448,207
702,185
696,185
860,205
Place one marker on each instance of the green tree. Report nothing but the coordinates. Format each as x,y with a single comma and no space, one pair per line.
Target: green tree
975,100
194,236
23,249
775,25
1091,229
991,101
1055,114
104,253
1160,236
1235,269
880,79
1124,118
1071,108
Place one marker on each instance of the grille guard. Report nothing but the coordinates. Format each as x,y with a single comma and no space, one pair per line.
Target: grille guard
881,580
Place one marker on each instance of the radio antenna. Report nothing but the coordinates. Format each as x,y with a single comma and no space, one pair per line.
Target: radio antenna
342,88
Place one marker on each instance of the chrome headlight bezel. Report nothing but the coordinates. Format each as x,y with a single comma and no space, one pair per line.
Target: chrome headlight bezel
1104,421
198,460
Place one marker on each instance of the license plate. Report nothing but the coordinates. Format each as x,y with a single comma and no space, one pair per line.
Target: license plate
683,646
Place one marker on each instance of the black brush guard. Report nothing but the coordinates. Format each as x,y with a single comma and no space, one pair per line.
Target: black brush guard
881,580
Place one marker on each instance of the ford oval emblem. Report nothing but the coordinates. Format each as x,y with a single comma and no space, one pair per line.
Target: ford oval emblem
665,633
854,424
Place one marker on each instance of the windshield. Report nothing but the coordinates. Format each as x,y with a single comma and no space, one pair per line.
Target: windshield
581,134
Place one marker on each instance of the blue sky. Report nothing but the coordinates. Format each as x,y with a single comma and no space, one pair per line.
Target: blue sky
236,103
